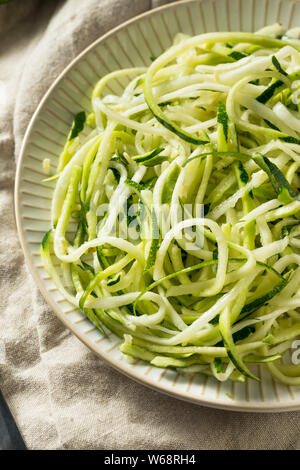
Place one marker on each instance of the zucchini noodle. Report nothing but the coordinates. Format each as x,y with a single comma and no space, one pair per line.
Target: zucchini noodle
175,214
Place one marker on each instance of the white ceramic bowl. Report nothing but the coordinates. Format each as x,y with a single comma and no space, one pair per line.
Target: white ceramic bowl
132,44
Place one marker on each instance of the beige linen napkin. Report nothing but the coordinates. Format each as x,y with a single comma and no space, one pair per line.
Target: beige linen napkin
61,394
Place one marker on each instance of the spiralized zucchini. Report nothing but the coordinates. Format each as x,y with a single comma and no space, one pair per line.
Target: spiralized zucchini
175,214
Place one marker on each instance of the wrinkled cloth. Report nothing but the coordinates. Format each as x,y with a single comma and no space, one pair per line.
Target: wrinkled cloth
61,394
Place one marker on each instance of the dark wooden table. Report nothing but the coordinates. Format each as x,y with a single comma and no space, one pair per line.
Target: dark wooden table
10,437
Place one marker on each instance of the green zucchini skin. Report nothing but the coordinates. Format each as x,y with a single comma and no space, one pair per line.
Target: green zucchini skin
193,130
172,127
151,159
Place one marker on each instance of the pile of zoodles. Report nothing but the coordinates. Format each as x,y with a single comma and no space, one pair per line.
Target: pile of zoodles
175,215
